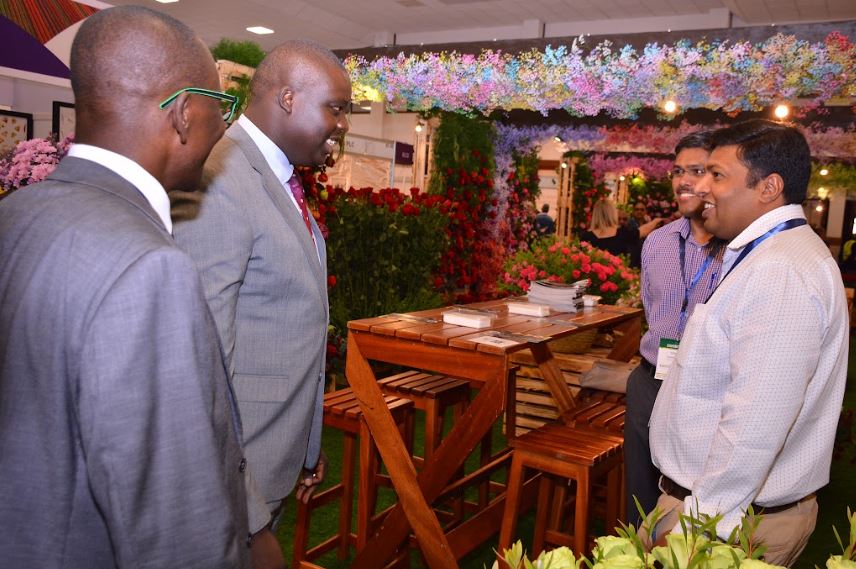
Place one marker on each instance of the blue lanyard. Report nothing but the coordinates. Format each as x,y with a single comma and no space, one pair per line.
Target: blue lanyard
784,226
689,288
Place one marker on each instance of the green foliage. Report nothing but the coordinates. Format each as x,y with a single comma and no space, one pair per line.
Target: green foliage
244,52
382,259
839,178
242,91
464,169
523,191
461,142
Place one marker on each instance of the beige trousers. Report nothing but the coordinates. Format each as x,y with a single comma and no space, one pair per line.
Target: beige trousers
784,533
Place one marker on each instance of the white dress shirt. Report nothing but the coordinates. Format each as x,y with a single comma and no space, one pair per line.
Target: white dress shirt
135,174
749,410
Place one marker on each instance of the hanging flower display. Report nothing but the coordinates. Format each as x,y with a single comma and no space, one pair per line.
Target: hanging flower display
731,76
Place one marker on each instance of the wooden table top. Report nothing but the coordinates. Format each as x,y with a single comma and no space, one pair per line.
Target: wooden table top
427,326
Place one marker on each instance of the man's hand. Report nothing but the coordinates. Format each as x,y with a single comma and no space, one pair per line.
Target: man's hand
311,479
265,551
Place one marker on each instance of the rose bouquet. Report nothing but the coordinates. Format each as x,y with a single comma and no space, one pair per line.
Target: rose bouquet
610,277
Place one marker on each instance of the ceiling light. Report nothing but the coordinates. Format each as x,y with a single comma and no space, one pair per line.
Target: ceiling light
557,138
418,128
823,172
781,111
621,178
670,106
261,30
564,164
819,207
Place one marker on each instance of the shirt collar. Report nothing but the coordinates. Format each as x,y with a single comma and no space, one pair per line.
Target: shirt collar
273,155
128,170
765,223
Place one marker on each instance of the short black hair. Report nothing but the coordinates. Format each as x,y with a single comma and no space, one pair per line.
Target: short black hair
545,208
699,139
767,147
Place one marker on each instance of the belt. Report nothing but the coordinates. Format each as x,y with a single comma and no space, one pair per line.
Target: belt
648,366
678,492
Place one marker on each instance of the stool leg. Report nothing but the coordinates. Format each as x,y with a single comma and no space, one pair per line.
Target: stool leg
346,509
512,501
301,533
545,498
367,493
558,506
613,490
458,502
581,513
433,427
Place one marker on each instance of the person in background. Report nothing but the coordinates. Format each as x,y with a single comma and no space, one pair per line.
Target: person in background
680,265
544,224
119,433
263,264
748,411
640,215
607,234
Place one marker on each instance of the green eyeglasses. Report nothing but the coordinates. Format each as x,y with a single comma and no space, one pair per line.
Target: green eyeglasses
228,103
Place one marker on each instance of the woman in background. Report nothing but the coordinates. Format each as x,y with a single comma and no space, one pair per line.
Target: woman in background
607,234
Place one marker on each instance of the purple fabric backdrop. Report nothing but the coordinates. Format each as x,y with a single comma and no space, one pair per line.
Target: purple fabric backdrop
23,51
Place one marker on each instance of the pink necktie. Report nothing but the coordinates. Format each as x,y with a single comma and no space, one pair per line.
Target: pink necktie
297,192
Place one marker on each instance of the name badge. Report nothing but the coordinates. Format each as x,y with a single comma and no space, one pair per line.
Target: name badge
665,356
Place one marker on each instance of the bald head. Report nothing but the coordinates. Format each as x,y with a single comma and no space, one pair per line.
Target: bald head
295,63
126,54
124,62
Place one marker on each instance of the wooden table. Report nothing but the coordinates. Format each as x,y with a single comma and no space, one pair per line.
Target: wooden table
421,340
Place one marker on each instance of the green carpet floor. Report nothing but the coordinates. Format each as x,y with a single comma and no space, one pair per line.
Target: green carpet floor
833,502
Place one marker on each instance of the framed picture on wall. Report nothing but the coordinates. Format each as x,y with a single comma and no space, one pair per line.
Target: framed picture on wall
14,127
63,119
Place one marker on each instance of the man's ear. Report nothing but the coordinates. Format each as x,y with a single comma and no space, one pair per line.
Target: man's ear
772,188
179,113
285,98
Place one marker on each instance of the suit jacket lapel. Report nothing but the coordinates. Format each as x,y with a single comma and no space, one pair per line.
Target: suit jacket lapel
283,203
87,172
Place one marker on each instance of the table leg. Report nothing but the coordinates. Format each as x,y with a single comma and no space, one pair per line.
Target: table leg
448,458
425,525
629,337
553,377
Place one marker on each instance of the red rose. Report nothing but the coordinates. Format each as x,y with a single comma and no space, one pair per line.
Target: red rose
331,281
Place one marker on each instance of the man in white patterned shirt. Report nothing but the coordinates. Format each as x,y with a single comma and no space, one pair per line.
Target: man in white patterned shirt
748,412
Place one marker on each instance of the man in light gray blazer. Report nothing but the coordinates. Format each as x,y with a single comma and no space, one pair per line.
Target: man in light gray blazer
262,260
119,437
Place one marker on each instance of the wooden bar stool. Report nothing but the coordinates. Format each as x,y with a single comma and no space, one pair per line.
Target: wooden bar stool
342,411
432,394
574,453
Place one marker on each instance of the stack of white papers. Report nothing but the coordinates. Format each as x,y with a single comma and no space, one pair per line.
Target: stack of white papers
468,318
528,309
560,296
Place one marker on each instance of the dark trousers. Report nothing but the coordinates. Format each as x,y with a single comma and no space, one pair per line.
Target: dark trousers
641,477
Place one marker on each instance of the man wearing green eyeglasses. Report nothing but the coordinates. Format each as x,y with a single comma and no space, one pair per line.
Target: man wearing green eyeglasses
263,261
119,434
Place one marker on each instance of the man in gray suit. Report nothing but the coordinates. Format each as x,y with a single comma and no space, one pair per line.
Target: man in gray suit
262,260
119,440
